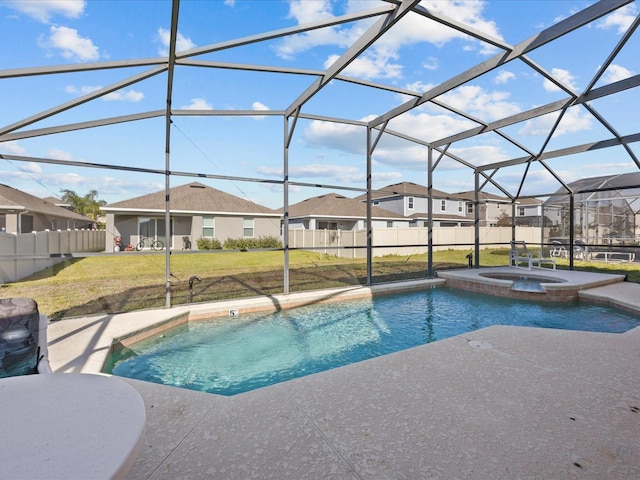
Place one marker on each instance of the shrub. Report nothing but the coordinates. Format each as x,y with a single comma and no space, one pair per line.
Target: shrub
208,244
252,243
270,242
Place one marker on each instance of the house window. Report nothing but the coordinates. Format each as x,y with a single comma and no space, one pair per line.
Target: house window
460,210
376,202
247,227
410,203
443,205
389,224
521,211
208,227
327,226
469,207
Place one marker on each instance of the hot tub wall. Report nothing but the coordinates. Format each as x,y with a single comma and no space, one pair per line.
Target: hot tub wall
502,288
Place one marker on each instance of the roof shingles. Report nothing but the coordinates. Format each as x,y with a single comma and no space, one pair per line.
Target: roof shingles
192,197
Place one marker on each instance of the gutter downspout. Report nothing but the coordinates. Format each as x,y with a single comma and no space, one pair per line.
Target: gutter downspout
20,219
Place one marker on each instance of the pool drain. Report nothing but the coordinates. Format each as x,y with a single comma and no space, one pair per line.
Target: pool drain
479,344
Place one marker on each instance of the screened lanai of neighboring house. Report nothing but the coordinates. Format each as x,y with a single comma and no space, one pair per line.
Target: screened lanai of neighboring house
605,212
516,99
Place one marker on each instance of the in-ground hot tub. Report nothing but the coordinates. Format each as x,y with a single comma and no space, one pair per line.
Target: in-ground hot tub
538,284
523,282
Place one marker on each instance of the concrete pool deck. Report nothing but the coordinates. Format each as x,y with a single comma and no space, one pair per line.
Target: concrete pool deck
501,402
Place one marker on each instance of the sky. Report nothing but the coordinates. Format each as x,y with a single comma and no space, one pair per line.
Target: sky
416,55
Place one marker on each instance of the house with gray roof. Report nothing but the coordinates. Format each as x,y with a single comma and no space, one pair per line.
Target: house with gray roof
337,212
58,202
412,201
196,211
490,207
21,212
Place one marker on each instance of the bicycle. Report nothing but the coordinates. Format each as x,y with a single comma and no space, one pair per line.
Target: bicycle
154,244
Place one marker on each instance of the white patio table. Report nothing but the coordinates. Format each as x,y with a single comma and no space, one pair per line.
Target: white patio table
68,426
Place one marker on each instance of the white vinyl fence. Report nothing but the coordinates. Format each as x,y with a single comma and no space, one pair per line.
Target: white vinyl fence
392,241
24,254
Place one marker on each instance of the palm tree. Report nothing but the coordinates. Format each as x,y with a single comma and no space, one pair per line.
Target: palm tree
88,205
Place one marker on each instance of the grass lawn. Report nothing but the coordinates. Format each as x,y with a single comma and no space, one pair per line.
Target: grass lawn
120,283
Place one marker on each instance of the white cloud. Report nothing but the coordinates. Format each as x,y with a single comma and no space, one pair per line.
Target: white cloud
574,120
391,150
403,156
346,138
419,86
72,89
615,73
480,154
381,60
182,42
304,11
109,188
59,154
339,173
611,167
431,64
537,181
30,167
621,19
259,107
385,177
563,76
370,65
430,127
124,96
118,95
230,3
414,29
44,10
504,76
71,45
484,105
415,157
197,104
12,148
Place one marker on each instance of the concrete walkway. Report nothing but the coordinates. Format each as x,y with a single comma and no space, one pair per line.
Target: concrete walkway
502,402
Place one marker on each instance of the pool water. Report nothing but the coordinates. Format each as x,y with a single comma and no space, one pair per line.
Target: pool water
238,354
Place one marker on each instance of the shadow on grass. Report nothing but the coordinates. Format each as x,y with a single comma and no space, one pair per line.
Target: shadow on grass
268,283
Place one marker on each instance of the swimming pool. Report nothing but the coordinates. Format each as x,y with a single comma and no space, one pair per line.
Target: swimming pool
232,356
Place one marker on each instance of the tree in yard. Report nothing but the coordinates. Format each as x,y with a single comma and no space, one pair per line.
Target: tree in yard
504,220
87,205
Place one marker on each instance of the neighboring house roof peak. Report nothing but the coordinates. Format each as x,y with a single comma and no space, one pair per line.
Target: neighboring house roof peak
192,197
12,198
336,205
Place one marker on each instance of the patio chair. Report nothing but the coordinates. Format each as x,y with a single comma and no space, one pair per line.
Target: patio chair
558,250
519,254
23,338
580,251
